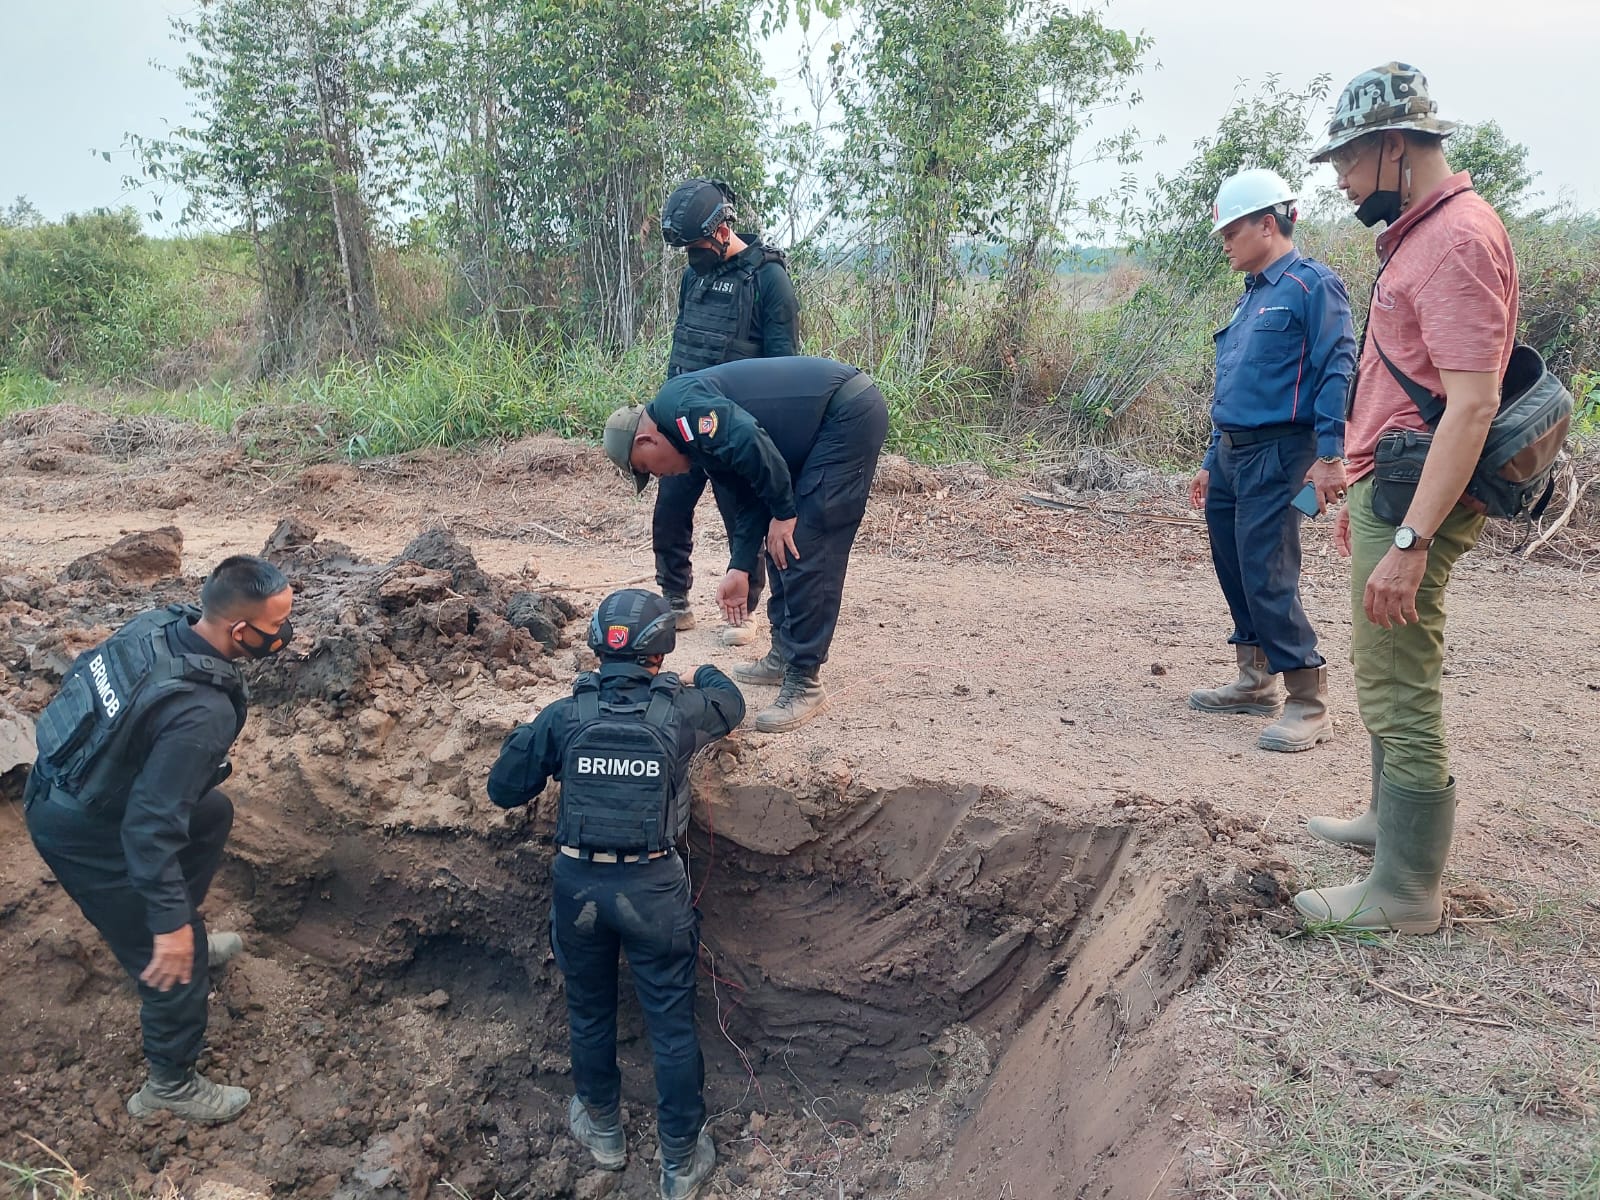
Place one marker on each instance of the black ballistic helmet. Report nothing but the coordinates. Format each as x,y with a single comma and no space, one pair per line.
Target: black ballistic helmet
694,209
633,623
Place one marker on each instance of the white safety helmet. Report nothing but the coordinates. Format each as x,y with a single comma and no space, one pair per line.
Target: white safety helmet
1252,191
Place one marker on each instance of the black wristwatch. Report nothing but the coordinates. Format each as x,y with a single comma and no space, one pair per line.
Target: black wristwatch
1407,538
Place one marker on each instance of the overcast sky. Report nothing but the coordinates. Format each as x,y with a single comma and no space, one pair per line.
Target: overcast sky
78,77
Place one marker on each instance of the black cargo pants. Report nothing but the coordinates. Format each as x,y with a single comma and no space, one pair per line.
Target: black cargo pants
830,496
84,851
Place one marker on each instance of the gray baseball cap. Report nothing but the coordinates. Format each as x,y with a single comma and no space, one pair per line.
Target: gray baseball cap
621,427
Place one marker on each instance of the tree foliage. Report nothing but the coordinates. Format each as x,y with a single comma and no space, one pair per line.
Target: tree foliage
1498,165
1268,128
962,122
294,140
556,127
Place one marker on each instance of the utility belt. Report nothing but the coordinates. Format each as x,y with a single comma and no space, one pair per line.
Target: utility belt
1237,438
610,856
848,391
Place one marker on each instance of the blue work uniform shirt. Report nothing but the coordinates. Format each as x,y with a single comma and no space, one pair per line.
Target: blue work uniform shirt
1287,355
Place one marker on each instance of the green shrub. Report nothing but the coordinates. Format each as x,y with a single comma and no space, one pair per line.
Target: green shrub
93,298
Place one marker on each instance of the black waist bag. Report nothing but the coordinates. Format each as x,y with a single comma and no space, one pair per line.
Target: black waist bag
1515,473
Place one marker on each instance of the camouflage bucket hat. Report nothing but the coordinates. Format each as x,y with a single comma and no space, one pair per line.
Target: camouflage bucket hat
1393,96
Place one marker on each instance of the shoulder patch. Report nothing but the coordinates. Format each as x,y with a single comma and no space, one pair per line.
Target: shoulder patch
684,429
708,425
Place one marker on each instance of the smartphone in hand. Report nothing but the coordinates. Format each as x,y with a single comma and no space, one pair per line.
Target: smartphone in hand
1306,500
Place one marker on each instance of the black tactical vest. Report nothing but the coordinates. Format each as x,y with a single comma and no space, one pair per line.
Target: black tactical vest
624,786
718,311
87,735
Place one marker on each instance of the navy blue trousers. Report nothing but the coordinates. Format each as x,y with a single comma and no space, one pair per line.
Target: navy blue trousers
84,852
672,532
830,498
643,910
1255,546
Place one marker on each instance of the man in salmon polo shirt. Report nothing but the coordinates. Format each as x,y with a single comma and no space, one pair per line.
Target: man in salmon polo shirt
1444,314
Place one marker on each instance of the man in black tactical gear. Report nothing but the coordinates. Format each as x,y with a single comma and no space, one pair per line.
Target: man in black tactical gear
735,301
621,745
795,442
123,806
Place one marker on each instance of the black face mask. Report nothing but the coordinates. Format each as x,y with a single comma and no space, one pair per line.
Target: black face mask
271,643
703,259
1380,206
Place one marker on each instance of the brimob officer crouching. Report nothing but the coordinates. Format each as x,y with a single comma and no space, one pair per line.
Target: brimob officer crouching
621,745
795,442
123,806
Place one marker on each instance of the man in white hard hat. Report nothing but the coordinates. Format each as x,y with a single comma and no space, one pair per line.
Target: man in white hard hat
1443,321
1283,368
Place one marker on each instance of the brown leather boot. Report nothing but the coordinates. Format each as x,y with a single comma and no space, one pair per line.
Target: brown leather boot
1305,721
1255,691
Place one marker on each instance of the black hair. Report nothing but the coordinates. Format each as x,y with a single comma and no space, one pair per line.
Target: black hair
1423,140
1285,223
238,582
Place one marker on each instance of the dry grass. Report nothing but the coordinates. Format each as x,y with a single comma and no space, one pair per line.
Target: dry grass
58,1182
1461,1065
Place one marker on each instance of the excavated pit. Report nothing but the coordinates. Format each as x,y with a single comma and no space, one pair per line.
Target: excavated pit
877,965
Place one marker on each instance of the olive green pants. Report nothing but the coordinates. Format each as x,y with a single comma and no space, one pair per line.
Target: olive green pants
1399,672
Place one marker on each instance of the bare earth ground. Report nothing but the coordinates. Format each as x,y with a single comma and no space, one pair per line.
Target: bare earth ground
1008,921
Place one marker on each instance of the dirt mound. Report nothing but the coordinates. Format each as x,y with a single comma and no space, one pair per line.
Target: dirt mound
887,971
140,558
897,476
63,436
430,616
548,456
328,477
543,615
17,747
439,550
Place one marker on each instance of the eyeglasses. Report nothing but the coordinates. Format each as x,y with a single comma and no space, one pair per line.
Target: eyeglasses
1344,159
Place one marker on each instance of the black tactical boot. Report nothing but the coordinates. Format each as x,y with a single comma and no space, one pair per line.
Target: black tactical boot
192,1098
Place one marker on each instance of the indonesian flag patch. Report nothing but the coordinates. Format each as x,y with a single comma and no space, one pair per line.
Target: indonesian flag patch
684,431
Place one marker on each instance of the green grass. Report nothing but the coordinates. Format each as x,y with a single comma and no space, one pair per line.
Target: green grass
459,388
20,390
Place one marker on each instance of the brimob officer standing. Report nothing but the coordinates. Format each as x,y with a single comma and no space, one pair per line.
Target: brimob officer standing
1283,370
621,745
796,442
123,806
735,300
